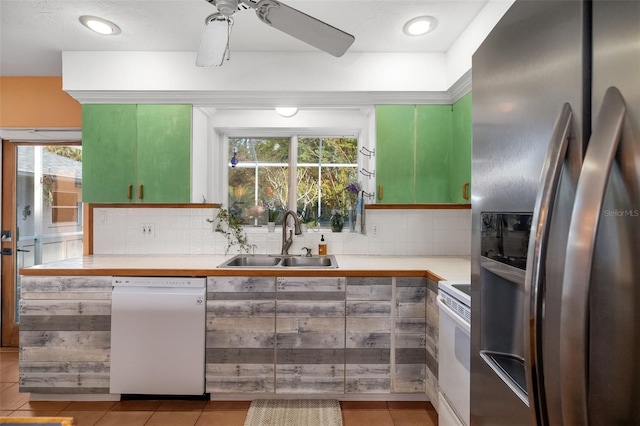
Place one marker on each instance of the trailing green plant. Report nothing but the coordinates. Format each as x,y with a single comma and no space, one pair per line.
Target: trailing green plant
230,225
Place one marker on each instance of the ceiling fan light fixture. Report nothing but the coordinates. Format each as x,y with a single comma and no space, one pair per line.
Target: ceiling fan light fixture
287,111
214,46
99,25
420,25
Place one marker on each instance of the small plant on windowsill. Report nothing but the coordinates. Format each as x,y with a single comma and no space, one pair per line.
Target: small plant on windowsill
230,225
306,219
273,214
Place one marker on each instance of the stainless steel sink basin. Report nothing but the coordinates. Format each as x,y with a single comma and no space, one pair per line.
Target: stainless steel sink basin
264,261
309,262
249,261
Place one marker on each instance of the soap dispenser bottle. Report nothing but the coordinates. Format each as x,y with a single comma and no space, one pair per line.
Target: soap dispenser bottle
322,247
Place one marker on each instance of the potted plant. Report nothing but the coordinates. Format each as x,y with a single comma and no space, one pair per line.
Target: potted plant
306,220
337,221
272,218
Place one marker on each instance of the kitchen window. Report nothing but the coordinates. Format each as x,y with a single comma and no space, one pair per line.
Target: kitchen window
261,172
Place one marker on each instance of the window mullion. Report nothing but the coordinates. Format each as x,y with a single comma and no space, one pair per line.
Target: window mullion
293,173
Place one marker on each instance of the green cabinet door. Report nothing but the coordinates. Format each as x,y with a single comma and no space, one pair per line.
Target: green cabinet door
136,153
108,152
395,126
461,151
433,153
164,153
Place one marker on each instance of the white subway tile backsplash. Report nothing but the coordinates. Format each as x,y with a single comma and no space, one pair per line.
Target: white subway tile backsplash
186,231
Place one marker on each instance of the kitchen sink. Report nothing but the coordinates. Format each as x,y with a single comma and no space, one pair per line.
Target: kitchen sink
262,261
242,260
314,261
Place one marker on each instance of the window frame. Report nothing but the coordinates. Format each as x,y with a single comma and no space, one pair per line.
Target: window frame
293,137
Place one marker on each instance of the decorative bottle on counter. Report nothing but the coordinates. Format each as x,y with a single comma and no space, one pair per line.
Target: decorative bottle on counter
322,247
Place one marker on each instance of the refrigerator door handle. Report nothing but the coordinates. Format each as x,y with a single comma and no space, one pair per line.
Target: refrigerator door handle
586,213
543,210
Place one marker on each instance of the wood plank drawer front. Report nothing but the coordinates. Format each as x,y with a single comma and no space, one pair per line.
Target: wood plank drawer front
310,336
368,335
410,335
65,334
311,288
238,288
240,345
60,288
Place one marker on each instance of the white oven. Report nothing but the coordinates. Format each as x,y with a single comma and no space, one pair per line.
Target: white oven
454,303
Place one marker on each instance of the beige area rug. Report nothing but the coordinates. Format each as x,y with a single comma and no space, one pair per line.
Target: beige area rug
294,412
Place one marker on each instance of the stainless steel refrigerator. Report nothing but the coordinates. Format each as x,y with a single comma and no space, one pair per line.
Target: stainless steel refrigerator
555,335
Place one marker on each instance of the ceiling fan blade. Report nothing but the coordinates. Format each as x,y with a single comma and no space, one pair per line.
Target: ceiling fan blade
214,46
304,27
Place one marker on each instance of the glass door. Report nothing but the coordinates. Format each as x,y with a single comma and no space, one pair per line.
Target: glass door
41,216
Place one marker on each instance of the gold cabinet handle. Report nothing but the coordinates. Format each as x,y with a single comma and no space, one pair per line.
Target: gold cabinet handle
465,191
130,191
140,192
380,196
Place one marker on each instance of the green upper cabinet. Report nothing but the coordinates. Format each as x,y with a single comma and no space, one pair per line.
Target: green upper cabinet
433,153
461,151
395,127
136,153
164,153
423,152
109,134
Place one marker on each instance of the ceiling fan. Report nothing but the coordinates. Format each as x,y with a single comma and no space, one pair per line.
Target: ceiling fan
214,46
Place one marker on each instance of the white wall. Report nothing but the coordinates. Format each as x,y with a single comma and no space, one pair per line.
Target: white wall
279,74
186,231
459,55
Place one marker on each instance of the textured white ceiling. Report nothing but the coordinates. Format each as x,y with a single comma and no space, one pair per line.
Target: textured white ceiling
34,33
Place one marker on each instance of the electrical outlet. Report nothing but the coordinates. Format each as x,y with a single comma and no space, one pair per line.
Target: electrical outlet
148,230
375,231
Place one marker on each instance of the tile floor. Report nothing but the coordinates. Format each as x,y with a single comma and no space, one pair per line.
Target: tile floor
186,413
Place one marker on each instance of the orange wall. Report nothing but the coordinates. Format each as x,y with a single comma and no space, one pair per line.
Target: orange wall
37,102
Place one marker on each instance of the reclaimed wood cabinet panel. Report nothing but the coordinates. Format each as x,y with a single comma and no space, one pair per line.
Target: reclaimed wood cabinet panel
410,335
432,337
240,335
368,335
310,335
65,335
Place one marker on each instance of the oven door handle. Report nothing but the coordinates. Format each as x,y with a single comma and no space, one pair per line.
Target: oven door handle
457,318
537,252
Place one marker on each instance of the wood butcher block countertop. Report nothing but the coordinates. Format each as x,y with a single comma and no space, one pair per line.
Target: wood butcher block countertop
436,268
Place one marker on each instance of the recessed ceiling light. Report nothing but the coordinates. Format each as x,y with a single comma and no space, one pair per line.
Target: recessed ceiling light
99,25
420,25
287,111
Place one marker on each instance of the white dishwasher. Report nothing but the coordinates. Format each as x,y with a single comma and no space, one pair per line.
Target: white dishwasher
158,336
